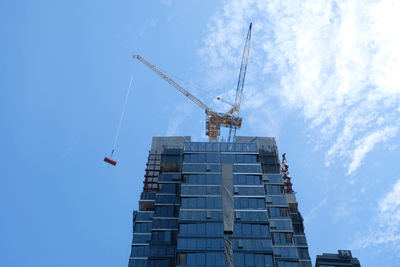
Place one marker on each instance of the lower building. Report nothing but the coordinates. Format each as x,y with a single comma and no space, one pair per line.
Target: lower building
217,204
342,259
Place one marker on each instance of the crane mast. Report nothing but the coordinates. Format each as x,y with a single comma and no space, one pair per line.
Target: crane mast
239,90
242,74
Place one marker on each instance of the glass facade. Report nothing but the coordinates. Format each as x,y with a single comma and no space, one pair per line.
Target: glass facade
218,204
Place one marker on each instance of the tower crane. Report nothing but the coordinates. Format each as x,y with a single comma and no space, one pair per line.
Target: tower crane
214,119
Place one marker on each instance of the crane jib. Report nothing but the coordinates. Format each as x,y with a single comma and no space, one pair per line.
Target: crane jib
172,82
214,120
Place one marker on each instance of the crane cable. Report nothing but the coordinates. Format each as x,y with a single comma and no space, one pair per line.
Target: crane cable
122,115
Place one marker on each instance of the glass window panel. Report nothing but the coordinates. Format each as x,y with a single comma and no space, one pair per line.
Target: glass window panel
200,158
300,240
187,158
303,253
252,203
268,260
245,203
207,147
230,147
249,259
211,259
246,229
201,228
210,229
274,189
238,259
255,229
247,168
223,147
200,147
282,224
201,243
277,200
201,179
237,229
212,158
191,259
201,202
219,259
275,178
259,259
238,147
182,243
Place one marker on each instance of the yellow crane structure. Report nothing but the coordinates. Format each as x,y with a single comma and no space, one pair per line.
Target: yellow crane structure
214,119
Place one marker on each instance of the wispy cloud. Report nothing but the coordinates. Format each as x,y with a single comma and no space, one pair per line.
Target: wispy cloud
310,216
177,118
386,228
336,62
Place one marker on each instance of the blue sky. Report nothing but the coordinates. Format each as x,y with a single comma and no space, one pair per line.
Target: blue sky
322,78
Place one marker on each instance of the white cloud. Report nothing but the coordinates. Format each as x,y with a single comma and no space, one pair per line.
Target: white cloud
177,118
365,144
311,215
386,229
336,62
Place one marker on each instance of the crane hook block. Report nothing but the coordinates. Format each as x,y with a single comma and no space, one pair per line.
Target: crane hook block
110,161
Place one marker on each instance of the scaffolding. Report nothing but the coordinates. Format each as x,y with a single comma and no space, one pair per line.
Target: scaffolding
152,171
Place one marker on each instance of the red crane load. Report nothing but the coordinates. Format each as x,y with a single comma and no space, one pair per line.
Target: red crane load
110,161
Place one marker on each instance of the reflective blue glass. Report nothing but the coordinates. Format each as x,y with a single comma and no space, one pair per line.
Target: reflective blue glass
219,158
277,200
274,189
251,216
277,212
164,211
286,252
281,224
167,199
141,238
242,179
187,168
251,191
209,179
253,244
200,215
251,230
138,263
169,177
140,251
287,264
220,147
274,178
144,216
142,227
200,190
201,203
199,243
249,203
247,168
165,223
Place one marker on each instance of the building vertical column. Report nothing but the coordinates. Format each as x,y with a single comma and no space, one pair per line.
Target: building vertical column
227,210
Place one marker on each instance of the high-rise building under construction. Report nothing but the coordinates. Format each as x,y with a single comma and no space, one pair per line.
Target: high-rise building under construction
217,204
